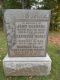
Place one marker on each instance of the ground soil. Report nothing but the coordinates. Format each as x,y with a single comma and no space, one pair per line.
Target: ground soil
54,39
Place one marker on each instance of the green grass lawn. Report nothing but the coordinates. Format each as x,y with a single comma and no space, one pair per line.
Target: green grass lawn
53,51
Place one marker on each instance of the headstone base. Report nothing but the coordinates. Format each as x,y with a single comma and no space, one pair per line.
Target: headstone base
27,66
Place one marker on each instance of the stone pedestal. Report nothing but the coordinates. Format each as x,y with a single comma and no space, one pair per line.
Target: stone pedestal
27,66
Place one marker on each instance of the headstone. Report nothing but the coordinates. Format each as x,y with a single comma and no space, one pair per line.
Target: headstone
27,32
27,36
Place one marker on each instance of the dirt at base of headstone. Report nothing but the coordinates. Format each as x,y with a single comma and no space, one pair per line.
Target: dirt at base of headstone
54,39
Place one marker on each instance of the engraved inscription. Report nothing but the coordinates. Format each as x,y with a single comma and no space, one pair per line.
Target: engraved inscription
27,32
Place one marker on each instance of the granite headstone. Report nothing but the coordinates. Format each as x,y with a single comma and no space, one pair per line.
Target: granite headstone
27,32
27,36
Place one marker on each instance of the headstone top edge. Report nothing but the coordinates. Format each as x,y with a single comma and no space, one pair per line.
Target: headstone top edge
10,13
14,10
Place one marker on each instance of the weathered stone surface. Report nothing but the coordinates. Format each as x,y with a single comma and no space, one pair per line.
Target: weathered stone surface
27,31
27,66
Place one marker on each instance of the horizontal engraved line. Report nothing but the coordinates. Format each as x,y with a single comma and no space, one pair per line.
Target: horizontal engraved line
31,20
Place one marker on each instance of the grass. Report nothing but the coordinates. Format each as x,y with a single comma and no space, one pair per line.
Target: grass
53,50
54,33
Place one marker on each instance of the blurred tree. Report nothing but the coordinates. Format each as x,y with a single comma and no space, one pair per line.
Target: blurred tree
54,6
11,4
1,19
